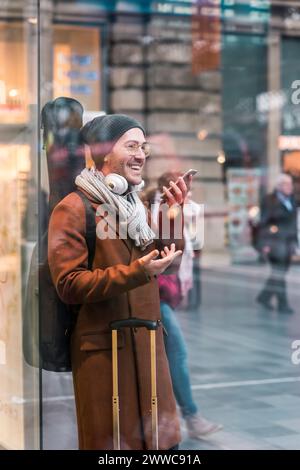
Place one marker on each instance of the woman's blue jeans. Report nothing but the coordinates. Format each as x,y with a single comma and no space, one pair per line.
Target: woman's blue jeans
177,357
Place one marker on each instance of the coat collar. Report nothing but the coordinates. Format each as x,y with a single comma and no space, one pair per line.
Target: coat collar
281,199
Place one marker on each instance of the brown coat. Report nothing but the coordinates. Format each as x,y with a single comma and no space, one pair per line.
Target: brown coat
116,288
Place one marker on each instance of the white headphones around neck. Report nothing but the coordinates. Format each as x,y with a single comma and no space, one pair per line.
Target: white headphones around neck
117,184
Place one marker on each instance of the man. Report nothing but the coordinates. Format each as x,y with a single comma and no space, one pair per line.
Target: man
121,284
277,240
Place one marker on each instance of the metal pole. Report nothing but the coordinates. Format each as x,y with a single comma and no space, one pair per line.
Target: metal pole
115,397
154,417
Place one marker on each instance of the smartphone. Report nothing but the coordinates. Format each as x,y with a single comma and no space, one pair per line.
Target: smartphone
188,173
185,177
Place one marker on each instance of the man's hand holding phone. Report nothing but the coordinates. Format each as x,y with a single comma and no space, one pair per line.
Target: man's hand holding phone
177,191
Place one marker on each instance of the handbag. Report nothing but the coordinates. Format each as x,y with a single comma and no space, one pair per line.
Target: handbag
170,289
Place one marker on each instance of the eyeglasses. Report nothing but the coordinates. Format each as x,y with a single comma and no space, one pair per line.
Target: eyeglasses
134,147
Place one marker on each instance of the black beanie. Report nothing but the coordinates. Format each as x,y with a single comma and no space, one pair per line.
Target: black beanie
108,129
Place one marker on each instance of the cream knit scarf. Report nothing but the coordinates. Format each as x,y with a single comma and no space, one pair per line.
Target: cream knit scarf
129,207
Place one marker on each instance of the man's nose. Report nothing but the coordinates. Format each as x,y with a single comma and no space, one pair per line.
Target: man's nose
140,155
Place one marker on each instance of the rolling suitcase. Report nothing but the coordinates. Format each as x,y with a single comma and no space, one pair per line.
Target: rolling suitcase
152,327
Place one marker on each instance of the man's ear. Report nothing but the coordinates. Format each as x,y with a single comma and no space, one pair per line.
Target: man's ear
89,162
107,158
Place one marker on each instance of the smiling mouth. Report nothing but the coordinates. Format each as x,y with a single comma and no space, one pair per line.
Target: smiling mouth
135,167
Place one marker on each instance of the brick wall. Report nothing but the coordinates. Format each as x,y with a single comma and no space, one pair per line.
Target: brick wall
151,79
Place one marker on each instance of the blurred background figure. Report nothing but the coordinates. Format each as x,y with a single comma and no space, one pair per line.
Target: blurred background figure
189,273
173,289
61,123
277,241
192,212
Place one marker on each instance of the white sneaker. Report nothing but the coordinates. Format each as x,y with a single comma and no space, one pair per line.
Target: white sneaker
198,426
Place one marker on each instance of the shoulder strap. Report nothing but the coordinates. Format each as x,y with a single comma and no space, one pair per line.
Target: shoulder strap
90,227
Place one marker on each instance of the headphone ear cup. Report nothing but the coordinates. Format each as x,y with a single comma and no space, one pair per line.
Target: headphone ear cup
116,183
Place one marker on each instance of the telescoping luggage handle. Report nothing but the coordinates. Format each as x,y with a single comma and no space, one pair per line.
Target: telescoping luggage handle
152,327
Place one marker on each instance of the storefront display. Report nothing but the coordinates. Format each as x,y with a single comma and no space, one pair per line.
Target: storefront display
76,65
14,161
243,201
13,74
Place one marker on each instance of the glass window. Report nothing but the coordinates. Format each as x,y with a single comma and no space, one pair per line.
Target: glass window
19,391
216,85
